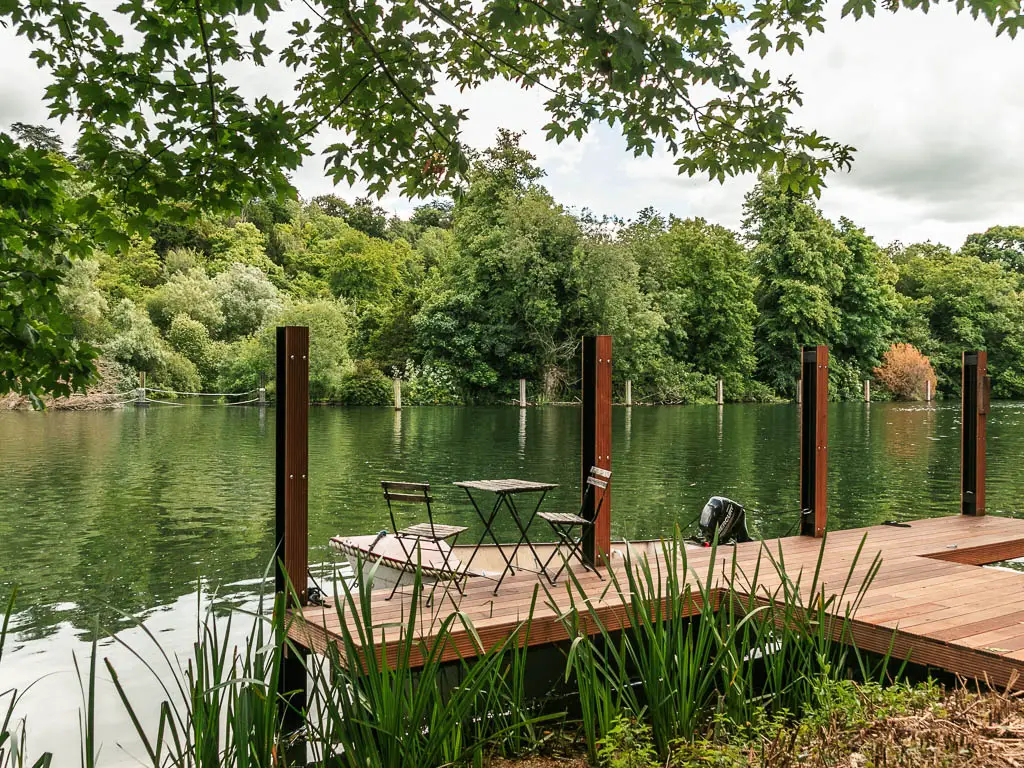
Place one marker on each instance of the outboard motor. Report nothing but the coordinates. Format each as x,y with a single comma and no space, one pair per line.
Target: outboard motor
725,516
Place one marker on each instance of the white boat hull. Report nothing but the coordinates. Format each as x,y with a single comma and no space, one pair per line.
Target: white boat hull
383,560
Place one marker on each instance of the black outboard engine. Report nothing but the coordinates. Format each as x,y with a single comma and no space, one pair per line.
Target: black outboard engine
725,516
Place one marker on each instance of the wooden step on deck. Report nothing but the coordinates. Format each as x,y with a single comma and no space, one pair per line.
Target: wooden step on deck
929,601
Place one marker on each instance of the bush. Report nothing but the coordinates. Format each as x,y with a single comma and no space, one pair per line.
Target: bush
247,299
845,379
329,324
135,343
190,294
431,384
243,363
179,373
369,387
905,372
671,382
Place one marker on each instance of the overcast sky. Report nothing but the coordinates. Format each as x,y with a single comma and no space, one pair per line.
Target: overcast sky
933,103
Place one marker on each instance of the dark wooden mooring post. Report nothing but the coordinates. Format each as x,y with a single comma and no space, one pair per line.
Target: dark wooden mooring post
814,441
976,389
596,447
292,486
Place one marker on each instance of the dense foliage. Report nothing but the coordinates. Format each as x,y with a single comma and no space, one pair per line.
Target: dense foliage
463,299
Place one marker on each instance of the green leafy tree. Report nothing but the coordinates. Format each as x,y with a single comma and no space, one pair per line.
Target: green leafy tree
135,342
705,292
363,215
159,87
436,213
83,302
39,353
799,259
190,339
969,304
1003,245
508,305
867,301
189,294
247,300
242,243
613,303
330,332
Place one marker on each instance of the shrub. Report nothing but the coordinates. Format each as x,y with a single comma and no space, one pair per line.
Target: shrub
243,362
905,372
190,294
845,379
629,744
365,387
329,322
179,373
247,299
136,343
431,384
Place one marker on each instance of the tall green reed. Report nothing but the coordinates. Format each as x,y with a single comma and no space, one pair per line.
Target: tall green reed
696,644
420,709
220,705
13,737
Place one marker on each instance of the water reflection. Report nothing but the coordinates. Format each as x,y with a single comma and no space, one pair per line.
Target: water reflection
124,511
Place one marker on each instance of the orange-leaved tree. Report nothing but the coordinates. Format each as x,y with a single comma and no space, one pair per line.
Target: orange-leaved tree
905,372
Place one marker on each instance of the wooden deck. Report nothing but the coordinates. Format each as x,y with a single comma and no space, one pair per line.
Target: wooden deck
929,600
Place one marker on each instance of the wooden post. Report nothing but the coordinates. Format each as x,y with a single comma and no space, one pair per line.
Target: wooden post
867,390
522,393
261,393
292,492
928,391
629,392
814,441
597,440
720,393
397,384
140,391
976,392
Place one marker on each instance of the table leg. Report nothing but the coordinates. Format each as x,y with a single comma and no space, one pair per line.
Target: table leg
523,531
488,530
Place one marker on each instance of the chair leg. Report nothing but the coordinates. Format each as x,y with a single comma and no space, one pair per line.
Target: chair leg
395,587
565,539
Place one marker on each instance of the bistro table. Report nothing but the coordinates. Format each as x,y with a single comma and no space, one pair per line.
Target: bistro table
505,492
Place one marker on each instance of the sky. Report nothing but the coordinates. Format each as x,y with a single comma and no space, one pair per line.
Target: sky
932,102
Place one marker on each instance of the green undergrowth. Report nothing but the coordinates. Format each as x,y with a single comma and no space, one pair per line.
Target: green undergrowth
719,664
847,723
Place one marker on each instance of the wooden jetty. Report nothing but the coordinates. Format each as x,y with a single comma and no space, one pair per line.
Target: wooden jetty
929,601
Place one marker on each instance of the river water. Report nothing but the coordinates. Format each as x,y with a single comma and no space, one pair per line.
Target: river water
108,518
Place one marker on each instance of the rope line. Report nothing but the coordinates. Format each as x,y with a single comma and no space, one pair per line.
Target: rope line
201,394
199,405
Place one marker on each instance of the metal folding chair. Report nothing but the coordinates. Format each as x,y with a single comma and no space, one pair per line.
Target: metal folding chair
419,494
566,524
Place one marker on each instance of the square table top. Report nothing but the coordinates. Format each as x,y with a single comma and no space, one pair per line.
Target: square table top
505,486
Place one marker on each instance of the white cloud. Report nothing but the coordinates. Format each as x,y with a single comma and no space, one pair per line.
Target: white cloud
932,102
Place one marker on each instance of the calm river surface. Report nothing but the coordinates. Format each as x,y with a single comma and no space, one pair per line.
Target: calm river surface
151,513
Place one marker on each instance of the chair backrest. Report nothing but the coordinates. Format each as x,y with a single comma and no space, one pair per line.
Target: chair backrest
597,480
396,492
406,493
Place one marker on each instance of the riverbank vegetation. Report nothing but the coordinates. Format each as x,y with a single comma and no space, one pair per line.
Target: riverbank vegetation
462,299
706,676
